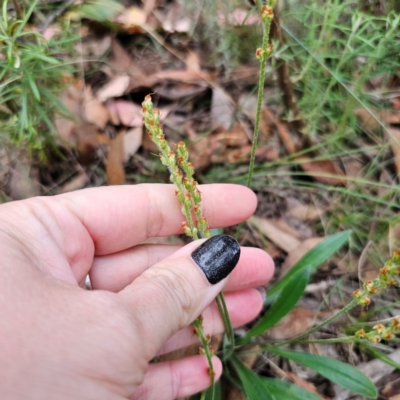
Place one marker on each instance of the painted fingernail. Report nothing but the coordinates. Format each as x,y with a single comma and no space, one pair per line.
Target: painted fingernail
217,257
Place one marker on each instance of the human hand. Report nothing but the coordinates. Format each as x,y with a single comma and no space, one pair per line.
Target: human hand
58,341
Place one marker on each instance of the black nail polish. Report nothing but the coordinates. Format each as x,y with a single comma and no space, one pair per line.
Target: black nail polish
217,257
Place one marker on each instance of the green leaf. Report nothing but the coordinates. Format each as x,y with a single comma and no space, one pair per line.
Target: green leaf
253,386
380,356
339,372
286,300
287,390
101,10
313,259
32,84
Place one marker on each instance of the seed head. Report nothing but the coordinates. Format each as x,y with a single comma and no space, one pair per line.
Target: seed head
267,13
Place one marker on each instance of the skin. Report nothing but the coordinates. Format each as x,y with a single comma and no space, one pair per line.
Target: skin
60,341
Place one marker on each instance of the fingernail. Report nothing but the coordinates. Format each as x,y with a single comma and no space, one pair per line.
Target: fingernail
263,293
217,257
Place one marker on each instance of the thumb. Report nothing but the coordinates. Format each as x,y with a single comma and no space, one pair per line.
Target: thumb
172,293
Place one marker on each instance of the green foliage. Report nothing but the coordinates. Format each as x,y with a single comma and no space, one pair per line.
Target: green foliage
341,373
30,77
285,301
288,391
252,385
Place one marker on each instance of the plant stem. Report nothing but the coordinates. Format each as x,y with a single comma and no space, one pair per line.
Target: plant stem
208,351
316,328
223,310
264,52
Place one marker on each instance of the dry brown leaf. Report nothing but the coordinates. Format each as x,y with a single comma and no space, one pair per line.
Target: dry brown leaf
132,141
94,111
71,99
324,171
87,141
298,321
182,75
114,168
222,109
385,116
193,62
132,17
115,88
276,235
175,20
303,384
125,113
394,138
121,59
299,252
305,212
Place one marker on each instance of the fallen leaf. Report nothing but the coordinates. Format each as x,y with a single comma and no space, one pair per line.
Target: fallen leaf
114,168
125,113
115,88
298,252
394,139
193,62
298,321
222,109
324,171
131,17
94,111
175,20
87,141
276,235
71,99
303,212
132,141
369,121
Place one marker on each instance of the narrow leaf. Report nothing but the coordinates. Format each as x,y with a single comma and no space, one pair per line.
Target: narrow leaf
286,300
313,259
253,387
287,390
380,356
339,372
32,84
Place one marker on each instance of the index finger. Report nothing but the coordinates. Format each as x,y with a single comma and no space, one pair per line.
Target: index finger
120,217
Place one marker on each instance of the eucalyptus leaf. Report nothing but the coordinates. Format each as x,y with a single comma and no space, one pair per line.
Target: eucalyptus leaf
286,300
287,390
313,259
343,374
253,386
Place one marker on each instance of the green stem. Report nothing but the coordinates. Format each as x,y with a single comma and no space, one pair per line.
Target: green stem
261,81
316,328
198,324
223,310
